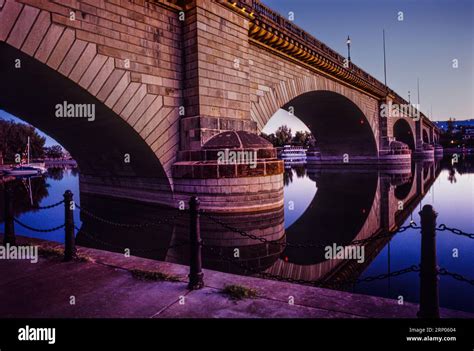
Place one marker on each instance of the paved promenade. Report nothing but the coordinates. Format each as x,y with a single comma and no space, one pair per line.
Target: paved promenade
103,286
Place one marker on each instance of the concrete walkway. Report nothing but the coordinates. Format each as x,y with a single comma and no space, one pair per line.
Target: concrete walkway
105,287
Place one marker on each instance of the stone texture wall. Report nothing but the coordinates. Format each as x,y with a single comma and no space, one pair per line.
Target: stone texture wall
233,194
217,73
125,53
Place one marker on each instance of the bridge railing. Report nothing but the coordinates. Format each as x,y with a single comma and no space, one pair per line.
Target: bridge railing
266,14
428,268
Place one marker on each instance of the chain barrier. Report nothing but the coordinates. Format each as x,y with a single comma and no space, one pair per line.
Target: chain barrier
443,227
413,268
457,276
129,225
36,229
245,268
410,269
261,274
309,245
102,242
48,206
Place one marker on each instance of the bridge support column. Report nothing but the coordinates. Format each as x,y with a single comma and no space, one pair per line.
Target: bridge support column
216,90
221,158
392,153
424,150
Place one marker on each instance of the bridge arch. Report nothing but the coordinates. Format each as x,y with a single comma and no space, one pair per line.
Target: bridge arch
117,65
100,146
343,120
404,133
426,138
338,125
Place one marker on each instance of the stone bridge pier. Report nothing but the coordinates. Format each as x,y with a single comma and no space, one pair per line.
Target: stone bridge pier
221,157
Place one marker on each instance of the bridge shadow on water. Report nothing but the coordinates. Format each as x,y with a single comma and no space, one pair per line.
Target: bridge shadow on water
347,205
332,206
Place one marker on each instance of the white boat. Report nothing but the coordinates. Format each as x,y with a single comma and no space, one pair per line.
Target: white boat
23,170
293,154
40,166
28,168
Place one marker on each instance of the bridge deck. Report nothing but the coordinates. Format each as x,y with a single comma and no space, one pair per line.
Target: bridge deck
105,287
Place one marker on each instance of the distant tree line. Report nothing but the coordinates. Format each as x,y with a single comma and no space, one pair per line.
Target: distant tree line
14,140
284,136
55,151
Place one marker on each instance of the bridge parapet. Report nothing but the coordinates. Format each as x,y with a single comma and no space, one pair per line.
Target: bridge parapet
269,28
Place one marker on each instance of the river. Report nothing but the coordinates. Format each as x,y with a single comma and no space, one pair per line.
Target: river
322,206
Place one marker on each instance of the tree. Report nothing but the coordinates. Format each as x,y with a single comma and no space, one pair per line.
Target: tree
283,135
14,139
55,151
269,137
304,139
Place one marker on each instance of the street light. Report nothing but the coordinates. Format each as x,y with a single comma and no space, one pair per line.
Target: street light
348,48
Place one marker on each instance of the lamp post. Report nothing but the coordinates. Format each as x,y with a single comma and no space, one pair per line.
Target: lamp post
348,48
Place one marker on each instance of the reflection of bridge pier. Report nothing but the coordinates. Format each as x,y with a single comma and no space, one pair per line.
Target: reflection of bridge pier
395,195
163,239
268,225
401,199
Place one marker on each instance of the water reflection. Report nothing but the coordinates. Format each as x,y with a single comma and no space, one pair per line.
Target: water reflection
27,192
322,206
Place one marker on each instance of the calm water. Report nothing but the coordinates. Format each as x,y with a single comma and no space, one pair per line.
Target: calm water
321,206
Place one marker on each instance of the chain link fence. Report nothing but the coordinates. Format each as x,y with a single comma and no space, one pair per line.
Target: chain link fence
247,269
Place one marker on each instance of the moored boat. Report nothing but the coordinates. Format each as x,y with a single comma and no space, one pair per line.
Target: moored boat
23,170
293,154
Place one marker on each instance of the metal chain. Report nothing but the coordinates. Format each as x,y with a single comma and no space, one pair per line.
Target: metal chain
241,232
126,225
94,238
262,274
443,227
413,268
38,230
49,206
275,242
412,225
457,276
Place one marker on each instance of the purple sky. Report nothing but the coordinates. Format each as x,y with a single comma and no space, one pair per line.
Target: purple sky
423,45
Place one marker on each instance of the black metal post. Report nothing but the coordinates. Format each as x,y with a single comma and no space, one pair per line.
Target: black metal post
429,294
195,243
9,237
69,240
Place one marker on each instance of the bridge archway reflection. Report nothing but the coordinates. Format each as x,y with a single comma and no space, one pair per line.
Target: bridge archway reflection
336,213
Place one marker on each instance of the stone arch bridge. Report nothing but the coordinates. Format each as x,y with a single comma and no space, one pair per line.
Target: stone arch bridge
175,81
